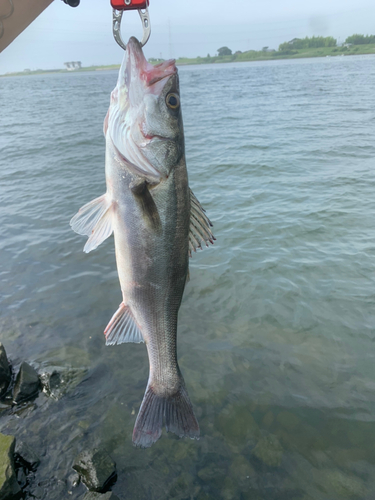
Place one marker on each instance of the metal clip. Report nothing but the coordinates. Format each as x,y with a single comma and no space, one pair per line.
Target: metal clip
145,18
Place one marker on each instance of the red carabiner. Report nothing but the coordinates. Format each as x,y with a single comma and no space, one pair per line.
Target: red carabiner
130,4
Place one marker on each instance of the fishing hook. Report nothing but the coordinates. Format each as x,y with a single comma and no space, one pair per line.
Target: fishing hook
145,19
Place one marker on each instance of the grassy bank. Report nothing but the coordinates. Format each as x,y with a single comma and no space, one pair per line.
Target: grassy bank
47,71
254,55
250,55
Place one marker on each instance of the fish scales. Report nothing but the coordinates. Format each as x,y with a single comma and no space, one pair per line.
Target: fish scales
157,222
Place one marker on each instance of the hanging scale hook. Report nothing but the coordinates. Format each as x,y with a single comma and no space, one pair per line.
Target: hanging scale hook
118,8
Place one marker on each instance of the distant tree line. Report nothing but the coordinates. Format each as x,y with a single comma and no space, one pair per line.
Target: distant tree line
292,47
309,43
360,39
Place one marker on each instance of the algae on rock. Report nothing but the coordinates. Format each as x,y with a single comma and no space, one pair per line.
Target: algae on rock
237,425
9,488
335,482
92,495
96,468
269,450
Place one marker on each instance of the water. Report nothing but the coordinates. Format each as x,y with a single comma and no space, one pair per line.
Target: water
276,329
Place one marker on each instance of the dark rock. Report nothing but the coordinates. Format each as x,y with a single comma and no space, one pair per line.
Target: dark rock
21,477
74,480
9,488
54,381
97,469
57,381
51,382
27,383
92,495
36,492
26,455
5,406
5,372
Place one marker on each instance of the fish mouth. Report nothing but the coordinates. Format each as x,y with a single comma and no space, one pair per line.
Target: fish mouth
147,72
151,137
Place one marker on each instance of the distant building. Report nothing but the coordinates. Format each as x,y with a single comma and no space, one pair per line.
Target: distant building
73,65
291,42
348,45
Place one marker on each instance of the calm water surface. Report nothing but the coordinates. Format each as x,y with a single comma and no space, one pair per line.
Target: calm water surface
277,326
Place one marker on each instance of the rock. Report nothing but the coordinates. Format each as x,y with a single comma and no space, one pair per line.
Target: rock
237,426
243,474
9,488
27,384
205,496
5,372
96,468
74,480
288,420
4,406
36,492
268,419
51,381
212,472
183,486
269,450
241,469
335,482
92,495
57,381
21,477
26,455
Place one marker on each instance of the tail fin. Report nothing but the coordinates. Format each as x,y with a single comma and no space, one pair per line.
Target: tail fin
177,411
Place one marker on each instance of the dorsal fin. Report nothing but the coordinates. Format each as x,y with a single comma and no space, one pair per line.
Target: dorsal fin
200,226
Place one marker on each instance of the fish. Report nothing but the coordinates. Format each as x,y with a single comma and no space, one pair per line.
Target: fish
157,223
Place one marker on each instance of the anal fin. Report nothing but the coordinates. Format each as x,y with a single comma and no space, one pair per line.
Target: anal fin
122,327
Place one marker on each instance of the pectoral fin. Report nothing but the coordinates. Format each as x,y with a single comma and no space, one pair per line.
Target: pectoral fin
200,226
149,209
94,220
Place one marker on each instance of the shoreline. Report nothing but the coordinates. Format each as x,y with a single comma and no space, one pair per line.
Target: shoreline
249,56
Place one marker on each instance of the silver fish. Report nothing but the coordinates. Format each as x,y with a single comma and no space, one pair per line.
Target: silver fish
157,222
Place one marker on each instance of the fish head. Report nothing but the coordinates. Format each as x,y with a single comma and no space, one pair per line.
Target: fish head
144,120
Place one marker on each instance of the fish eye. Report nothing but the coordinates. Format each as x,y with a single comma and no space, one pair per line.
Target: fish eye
173,101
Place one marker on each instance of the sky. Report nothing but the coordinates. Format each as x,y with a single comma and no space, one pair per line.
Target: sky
180,29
